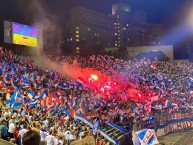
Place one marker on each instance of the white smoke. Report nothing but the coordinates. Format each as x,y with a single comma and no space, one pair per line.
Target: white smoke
43,19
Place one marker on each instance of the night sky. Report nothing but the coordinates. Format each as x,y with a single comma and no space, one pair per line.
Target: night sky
169,13
158,11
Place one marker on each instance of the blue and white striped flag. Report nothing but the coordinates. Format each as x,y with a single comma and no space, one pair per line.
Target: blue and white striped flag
147,137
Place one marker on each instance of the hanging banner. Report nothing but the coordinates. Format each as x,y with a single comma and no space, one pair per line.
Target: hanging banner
175,126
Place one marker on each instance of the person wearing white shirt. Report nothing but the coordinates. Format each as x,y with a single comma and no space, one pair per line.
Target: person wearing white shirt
6,114
81,134
56,141
12,128
22,132
45,122
69,137
66,132
49,138
43,135
60,141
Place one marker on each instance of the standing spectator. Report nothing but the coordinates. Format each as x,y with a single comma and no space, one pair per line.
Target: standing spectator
49,138
43,135
4,130
60,141
17,139
12,128
56,141
22,132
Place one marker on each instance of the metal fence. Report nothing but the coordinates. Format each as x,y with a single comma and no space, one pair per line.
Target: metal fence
161,117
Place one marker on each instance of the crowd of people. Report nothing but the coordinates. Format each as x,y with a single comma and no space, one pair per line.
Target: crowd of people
45,103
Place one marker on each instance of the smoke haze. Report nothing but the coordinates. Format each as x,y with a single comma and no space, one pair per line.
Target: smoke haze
46,21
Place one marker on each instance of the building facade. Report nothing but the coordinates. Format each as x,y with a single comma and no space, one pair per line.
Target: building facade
121,15
168,50
132,29
90,30
145,34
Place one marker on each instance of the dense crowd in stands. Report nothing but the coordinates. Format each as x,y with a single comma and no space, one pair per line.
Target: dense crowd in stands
42,101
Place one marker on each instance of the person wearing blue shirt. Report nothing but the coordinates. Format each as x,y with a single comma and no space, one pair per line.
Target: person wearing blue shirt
4,131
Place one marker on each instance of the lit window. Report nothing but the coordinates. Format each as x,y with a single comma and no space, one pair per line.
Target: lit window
127,25
88,29
70,39
77,32
77,36
115,23
115,44
77,48
77,40
77,28
115,34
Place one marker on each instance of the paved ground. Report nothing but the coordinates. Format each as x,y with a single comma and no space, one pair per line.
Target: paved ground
180,138
2,142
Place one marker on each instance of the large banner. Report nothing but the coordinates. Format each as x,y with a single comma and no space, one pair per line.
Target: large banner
175,126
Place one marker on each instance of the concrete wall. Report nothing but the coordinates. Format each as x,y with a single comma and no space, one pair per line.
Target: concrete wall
133,51
167,49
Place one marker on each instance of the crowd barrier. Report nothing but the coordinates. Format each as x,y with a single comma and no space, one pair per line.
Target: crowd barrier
118,127
174,126
101,132
166,123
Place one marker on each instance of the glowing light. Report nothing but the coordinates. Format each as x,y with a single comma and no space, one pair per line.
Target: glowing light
94,77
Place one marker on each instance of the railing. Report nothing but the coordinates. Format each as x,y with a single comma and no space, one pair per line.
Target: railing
175,120
101,132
